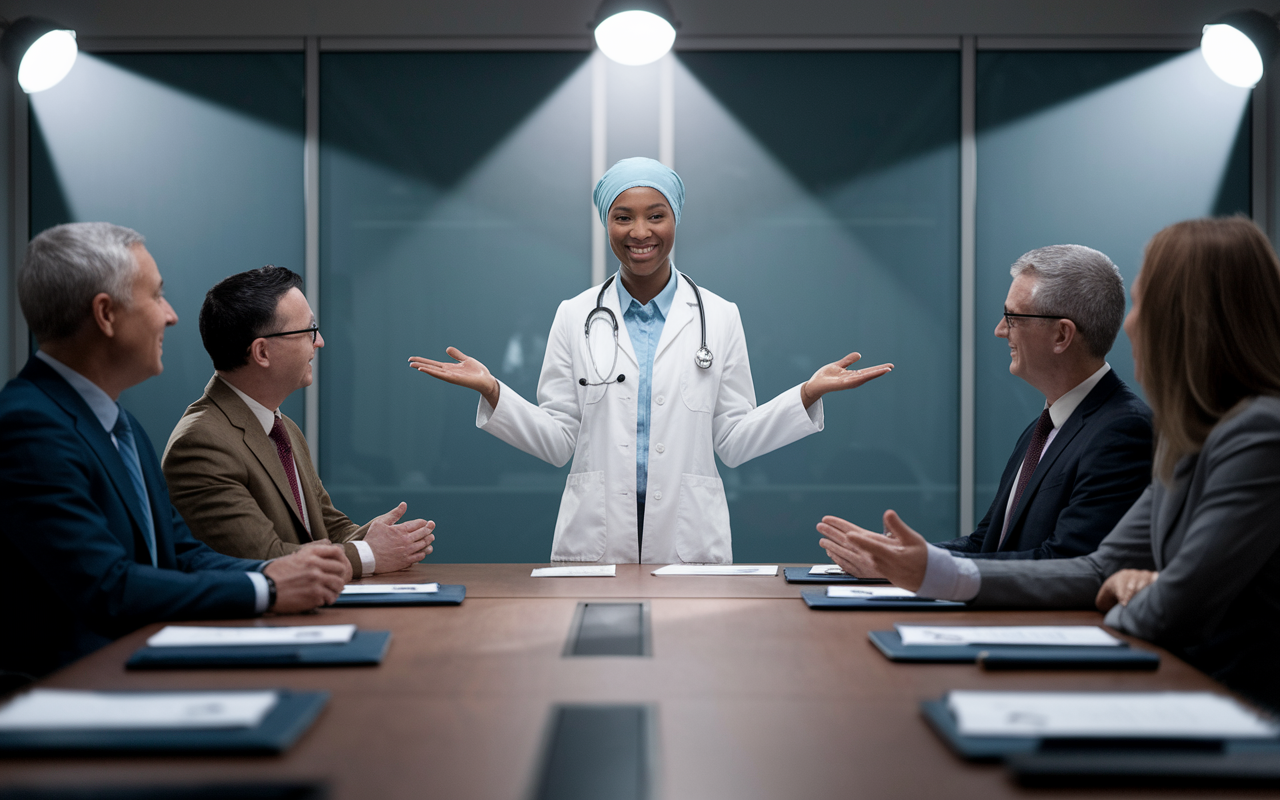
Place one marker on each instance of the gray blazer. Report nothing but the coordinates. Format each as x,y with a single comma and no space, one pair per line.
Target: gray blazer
1214,536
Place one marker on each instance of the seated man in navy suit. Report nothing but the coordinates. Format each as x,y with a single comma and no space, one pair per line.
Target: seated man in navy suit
91,545
1080,466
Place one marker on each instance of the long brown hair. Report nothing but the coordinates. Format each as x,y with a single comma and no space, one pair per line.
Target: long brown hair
1208,329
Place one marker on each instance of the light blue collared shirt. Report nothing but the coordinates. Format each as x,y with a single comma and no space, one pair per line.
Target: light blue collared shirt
108,411
644,325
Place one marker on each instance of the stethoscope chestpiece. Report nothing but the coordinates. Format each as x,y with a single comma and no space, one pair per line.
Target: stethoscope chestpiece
703,357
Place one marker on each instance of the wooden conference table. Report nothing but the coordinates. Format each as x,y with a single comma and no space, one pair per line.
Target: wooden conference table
757,696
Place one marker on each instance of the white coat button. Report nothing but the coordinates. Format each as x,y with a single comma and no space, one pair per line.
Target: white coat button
660,400
660,447
657,495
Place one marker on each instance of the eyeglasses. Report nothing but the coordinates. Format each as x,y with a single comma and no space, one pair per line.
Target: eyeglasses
1009,317
313,330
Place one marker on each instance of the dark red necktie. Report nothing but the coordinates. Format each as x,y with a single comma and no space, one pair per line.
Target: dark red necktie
285,450
1044,426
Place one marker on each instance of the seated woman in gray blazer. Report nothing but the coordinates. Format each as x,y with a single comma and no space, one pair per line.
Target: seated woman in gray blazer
1194,565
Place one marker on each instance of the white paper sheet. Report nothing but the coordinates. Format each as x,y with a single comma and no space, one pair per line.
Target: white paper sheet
58,709
714,569
1115,714
1057,635
187,636
392,588
826,569
585,571
867,591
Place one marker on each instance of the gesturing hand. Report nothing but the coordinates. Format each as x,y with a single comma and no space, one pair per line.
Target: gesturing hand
836,377
900,556
312,576
467,372
1122,586
397,545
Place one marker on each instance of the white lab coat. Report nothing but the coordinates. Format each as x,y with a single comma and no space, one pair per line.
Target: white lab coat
695,412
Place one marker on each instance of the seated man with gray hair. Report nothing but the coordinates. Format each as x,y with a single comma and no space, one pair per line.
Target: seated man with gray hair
1087,458
92,547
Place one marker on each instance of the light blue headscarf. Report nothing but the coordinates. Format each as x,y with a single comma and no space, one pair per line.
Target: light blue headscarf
632,172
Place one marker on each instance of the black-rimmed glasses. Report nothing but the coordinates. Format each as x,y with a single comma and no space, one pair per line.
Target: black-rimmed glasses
313,330
1009,317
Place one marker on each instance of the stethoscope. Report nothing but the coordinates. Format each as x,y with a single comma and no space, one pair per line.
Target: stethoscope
702,358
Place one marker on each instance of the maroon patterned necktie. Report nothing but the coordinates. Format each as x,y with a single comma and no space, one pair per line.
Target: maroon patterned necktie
1044,426
285,450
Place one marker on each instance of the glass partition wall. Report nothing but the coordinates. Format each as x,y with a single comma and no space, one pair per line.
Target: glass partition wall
824,199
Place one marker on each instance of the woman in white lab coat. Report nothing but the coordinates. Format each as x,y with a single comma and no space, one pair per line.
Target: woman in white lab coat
643,411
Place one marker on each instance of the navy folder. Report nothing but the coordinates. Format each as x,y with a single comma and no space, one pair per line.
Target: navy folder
996,748
293,714
819,600
366,648
1179,770
1015,656
801,575
448,595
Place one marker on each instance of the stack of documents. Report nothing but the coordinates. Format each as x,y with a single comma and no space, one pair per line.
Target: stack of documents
301,645
1109,715
55,720
1012,647
873,598
825,574
401,594
715,569
584,571
871,592
1027,635
58,709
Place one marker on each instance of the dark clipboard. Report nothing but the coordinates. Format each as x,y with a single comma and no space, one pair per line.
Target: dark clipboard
801,575
819,600
293,713
1015,657
447,595
366,649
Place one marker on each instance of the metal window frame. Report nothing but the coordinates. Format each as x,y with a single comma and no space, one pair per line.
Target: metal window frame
1262,178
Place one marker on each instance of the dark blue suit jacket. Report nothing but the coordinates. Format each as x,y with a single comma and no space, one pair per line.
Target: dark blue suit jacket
77,572
1092,472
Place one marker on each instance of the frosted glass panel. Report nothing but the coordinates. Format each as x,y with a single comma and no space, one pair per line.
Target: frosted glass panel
456,210
1100,149
199,152
823,198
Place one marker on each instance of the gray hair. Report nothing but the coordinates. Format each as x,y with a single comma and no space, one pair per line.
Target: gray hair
1080,284
67,266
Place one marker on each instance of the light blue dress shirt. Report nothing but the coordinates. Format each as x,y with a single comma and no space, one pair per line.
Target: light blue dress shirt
644,325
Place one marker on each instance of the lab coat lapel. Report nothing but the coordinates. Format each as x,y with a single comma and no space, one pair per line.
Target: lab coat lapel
612,303
684,307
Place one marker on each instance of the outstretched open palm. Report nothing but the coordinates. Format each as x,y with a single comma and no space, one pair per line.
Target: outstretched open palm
466,372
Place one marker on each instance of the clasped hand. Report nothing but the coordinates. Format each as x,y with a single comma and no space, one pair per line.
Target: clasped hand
1122,587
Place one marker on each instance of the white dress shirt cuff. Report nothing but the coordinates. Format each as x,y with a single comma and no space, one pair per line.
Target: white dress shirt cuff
261,594
367,563
949,578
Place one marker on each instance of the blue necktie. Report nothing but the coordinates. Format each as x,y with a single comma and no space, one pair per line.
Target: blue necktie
129,454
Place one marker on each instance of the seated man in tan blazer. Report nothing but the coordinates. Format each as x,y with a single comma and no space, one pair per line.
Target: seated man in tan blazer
239,471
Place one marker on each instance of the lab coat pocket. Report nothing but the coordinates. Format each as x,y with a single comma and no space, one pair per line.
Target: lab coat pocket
697,388
580,528
702,521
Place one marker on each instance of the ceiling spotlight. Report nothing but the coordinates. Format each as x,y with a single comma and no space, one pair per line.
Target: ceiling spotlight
39,51
635,32
1239,46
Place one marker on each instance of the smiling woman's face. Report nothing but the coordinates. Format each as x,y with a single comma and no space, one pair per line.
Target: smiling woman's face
642,231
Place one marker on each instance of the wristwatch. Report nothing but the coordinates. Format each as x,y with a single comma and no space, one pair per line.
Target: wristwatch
271,592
